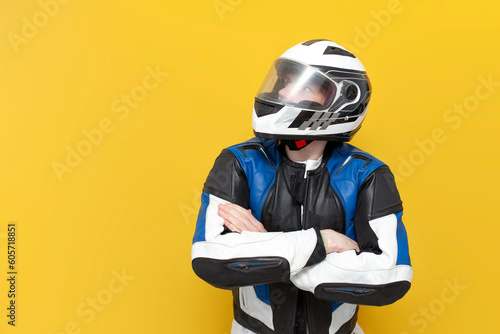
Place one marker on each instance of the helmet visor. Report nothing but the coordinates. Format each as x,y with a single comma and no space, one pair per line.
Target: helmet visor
294,84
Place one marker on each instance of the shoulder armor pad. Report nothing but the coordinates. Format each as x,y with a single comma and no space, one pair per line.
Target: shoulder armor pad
227,180
380,193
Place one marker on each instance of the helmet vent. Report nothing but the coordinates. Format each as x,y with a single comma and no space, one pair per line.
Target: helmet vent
333,50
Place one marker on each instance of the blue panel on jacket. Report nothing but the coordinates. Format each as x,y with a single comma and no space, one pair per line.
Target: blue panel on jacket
403,251
199,233
262,292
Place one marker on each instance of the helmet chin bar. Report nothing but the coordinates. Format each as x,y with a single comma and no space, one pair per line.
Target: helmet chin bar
338,137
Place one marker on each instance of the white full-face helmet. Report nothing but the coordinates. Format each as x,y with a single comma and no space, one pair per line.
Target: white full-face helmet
317,90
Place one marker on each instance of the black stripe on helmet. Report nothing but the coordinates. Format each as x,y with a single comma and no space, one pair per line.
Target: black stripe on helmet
333,50
312,41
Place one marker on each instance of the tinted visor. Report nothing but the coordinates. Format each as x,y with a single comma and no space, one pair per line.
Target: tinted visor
294,84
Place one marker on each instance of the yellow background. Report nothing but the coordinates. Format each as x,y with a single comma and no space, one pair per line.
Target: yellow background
129,206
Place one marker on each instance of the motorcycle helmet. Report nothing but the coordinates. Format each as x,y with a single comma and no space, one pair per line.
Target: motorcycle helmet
317,90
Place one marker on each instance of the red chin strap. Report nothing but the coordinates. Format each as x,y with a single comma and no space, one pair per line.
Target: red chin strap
296,145
300,143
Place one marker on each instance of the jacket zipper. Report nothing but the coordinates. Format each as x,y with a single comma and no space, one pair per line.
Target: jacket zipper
303,225
306,197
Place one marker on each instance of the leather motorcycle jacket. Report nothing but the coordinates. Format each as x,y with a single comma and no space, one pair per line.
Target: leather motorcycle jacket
282,280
